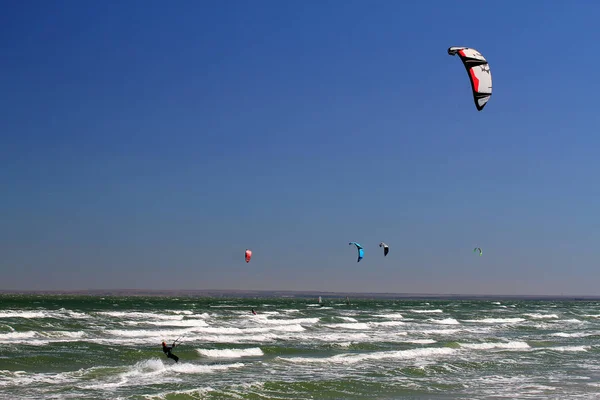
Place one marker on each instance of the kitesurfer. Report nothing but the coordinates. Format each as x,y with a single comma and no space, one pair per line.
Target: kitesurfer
253,312
167,350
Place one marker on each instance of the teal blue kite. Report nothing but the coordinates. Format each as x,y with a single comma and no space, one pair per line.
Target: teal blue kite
361,252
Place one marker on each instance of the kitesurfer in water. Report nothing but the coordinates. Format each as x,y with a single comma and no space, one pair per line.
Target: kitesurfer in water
167,351
253,312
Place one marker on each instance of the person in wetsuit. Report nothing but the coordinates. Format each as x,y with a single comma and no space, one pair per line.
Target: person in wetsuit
167,351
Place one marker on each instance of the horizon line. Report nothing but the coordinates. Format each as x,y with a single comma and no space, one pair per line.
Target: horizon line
282,293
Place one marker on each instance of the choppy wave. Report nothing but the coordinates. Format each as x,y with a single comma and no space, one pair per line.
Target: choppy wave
111,349
373,356
515,345
231,353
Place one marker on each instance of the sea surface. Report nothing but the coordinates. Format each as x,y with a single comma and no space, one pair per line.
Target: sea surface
85,347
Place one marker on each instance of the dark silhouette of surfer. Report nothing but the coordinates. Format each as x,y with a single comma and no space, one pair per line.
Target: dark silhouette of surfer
167,351
253,312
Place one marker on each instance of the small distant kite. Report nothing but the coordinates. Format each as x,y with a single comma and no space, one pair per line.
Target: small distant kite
477,249
479,74
248,255
361,252
386,248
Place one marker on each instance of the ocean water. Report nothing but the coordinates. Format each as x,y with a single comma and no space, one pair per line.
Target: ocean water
84,347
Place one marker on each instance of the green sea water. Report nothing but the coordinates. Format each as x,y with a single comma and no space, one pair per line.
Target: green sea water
86,347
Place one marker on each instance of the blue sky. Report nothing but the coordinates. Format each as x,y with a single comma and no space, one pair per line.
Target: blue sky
147,144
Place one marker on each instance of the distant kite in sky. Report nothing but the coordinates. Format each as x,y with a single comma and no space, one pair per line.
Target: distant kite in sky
479,74
386,248
361,252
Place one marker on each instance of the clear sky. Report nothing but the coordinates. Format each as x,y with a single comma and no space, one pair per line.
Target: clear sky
147,144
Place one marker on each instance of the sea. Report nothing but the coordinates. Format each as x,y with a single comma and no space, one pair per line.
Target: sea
95,347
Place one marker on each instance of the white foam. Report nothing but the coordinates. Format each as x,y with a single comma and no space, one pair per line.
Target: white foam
387,323
343,344
17,335
265,313
513,345
224,330
201,316
390,316
149,371
591,315
189,368
439,331
240,339
572,335
182,323
185,312
344,336
74,314
422,341
133,333
23,378
496,320
24,314
199,393
331,337
351,358
357,325
568,348
570,321
276,328
63,334
280,321
140,315
348,319
445,321
427,311
231,353
541,316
